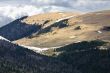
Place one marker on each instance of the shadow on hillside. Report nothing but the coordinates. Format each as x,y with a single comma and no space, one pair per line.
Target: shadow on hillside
16,59
60,24
17,29
84,45
86,57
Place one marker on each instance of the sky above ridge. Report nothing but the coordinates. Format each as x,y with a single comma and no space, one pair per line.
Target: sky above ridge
13,9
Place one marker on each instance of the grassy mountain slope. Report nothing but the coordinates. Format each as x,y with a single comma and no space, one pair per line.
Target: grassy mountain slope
90,26
58,29
83,42
26,26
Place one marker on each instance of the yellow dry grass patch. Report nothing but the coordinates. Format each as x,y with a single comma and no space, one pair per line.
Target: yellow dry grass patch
90,25
61,36
52,17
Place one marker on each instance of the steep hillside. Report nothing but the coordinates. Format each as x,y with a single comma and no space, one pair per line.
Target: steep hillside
26,26
17,29
86,57
16,59
90,26
58,29
77,43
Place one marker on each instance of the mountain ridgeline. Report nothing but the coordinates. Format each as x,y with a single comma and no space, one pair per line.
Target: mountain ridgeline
74,43
21,28
16,59
18,30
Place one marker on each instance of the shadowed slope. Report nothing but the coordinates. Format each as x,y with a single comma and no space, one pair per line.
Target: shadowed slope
17,30
27,26
86,56
16,59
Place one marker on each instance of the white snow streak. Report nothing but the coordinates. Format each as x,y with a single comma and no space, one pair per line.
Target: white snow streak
36,49
64,18
2,38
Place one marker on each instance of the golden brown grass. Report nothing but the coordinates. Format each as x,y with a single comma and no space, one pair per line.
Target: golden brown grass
90,24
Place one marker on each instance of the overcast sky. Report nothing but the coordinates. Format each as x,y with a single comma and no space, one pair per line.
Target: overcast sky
13,9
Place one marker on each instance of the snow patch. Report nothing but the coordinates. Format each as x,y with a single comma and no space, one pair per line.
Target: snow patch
99,32
2,38
103,48
36,49
72,37
63,19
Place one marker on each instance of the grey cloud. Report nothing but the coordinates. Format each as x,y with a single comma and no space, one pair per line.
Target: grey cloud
83,5
4,20
20,8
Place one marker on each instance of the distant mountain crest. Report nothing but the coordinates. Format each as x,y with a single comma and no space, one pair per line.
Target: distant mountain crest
51,29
